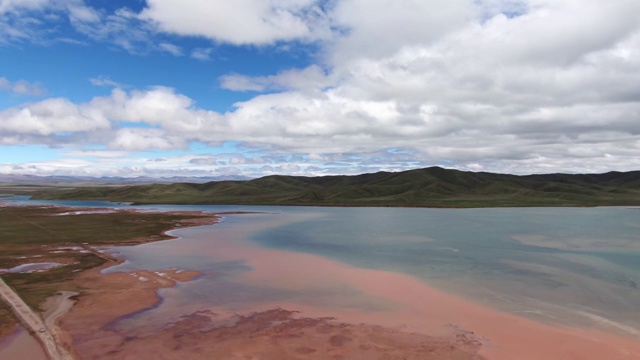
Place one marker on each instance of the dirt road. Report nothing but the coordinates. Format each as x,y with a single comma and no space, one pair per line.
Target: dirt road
58,306
33,322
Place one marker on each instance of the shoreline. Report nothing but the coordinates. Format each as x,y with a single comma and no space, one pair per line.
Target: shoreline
96,309
435,317
270,334
146,295
417,306
56,306
469,329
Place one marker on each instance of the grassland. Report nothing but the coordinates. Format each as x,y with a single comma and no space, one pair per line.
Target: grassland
430,187
47,234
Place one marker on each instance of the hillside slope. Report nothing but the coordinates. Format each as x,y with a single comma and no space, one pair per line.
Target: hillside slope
432,186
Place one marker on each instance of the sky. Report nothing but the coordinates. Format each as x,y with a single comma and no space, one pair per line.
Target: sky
318,87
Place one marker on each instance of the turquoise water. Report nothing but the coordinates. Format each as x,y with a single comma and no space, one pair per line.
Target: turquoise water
577,266
548,260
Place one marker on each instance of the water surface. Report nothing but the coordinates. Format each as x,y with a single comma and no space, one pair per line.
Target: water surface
576,266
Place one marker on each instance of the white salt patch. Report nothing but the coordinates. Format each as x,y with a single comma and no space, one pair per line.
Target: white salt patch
31,267
70,248
142,278
106,211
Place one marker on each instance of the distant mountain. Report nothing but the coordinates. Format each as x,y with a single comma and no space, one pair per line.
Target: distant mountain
430,187
20,179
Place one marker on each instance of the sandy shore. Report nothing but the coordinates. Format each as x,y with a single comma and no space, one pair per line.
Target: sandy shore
108,297
56,306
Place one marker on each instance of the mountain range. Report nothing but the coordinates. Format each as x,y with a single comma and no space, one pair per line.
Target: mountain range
428,187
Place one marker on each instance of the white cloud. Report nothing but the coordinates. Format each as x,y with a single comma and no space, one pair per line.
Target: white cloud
78,12
238,22
171,49
511,86
14,5
378,28
51,116
134,139
21,87
121,28
310,78
105,81
237,82
202,54
159,106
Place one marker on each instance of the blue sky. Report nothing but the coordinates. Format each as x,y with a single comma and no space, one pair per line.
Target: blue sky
308,87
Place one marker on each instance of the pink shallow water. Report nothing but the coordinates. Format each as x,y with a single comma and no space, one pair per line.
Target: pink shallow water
413,305
318,286
21,346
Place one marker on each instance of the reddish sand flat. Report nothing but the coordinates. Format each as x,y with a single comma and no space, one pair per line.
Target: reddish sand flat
107,297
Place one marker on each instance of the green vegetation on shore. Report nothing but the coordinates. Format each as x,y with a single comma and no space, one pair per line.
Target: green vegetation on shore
430,187
30,234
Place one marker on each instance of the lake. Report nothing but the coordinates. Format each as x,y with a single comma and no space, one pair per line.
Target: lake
576,266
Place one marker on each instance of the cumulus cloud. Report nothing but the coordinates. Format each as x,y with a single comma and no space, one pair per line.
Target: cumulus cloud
158,106
51,116
142,139
379,28
238,22
510,86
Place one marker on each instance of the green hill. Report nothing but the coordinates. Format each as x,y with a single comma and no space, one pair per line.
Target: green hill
432,186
